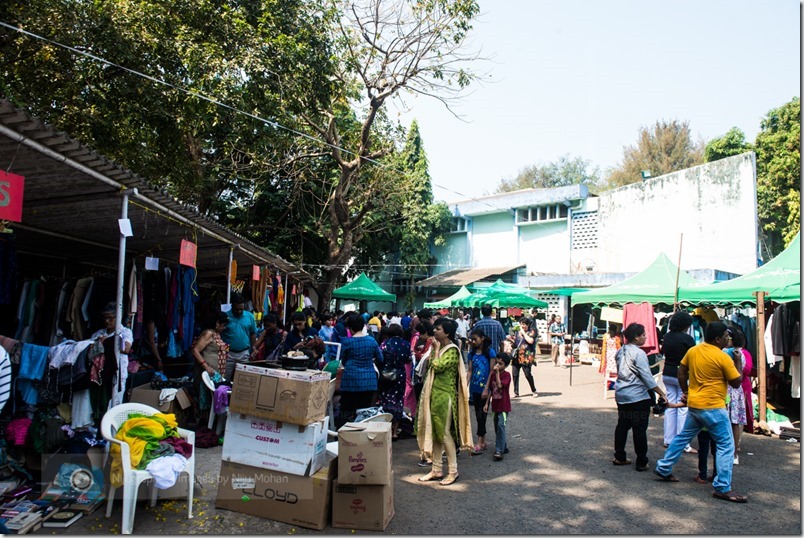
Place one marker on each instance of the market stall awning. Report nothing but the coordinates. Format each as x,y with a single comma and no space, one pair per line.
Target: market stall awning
656,284
564,292
501,294
464,277
780,279
447,302
363,289
72,201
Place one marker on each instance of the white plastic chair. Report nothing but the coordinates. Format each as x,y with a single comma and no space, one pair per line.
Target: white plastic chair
132,478
211,386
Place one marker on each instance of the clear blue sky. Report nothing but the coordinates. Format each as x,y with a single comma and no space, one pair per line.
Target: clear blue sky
580,77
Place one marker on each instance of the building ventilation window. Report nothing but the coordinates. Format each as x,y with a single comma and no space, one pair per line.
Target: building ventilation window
459,224
584,230
541,213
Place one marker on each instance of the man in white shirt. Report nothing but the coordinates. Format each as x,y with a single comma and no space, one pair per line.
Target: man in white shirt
462,331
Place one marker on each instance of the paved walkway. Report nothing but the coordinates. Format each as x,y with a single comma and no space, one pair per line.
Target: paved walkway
558,479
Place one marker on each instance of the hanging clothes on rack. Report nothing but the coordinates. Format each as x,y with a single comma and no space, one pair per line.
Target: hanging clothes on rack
642,313
74,314
33,361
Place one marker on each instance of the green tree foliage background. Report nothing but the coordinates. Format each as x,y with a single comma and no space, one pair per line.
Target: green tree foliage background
327,200
779,174
567,170
666,146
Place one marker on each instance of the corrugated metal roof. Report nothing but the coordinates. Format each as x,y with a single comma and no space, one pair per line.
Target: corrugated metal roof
71,214
463,277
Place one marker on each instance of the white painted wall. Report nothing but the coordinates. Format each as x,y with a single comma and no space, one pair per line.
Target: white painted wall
713,205
544,247
453,254
494,240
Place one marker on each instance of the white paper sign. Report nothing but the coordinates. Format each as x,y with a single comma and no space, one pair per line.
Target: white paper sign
226,307
243,482
151,264
125,227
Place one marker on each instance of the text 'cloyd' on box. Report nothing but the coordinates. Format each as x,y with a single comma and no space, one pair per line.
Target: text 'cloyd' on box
271,444
298,397
364,453
298,500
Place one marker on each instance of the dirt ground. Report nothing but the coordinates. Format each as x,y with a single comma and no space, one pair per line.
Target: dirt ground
557,479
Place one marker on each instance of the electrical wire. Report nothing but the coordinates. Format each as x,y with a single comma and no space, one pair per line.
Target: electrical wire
234,109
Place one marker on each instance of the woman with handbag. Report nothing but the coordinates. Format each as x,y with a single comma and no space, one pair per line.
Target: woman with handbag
524,355
443,418
396,354
632,393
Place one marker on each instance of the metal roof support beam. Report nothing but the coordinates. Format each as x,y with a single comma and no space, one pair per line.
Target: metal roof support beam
22,226
58,157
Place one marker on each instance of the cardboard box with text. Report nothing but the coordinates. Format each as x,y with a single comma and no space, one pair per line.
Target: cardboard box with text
298,397
298,500
278,446
364,453
362,507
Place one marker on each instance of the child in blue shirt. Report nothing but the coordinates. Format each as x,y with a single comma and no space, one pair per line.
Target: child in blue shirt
481,355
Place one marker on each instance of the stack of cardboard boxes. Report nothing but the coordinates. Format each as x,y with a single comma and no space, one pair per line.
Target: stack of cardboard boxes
275,463
363,493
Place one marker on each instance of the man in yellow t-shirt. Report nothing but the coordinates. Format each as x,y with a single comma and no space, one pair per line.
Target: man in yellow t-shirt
703,375
374,325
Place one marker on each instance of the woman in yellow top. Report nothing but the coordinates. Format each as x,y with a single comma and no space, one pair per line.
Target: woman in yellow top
443,417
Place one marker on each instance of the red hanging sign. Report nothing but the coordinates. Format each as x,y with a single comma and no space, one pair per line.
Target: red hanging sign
187,253
11,188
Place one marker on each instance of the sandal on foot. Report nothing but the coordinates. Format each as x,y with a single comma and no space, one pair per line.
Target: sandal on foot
621,462
700,480
477,450
665,478
429,477
449,480
498,456
730,496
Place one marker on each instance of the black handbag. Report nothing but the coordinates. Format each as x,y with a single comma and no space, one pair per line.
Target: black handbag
389,375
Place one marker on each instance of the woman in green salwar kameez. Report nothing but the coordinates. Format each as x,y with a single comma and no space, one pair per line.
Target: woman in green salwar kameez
444,405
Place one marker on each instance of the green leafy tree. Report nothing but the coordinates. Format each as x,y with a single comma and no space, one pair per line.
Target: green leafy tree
383,49
425,223
779,174
564,172
205,154
730,144
663,148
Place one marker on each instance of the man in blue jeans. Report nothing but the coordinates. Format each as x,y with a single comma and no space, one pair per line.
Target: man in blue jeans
703,374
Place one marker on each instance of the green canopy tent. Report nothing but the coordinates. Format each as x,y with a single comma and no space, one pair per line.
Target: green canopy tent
447,303
363,289
780,279
500,295
656,284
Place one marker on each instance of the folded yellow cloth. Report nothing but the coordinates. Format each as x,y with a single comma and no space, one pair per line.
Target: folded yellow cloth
142,433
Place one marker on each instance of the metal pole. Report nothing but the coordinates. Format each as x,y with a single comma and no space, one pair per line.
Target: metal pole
678,271
229,276
761,364
285,306
572,338
121,277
